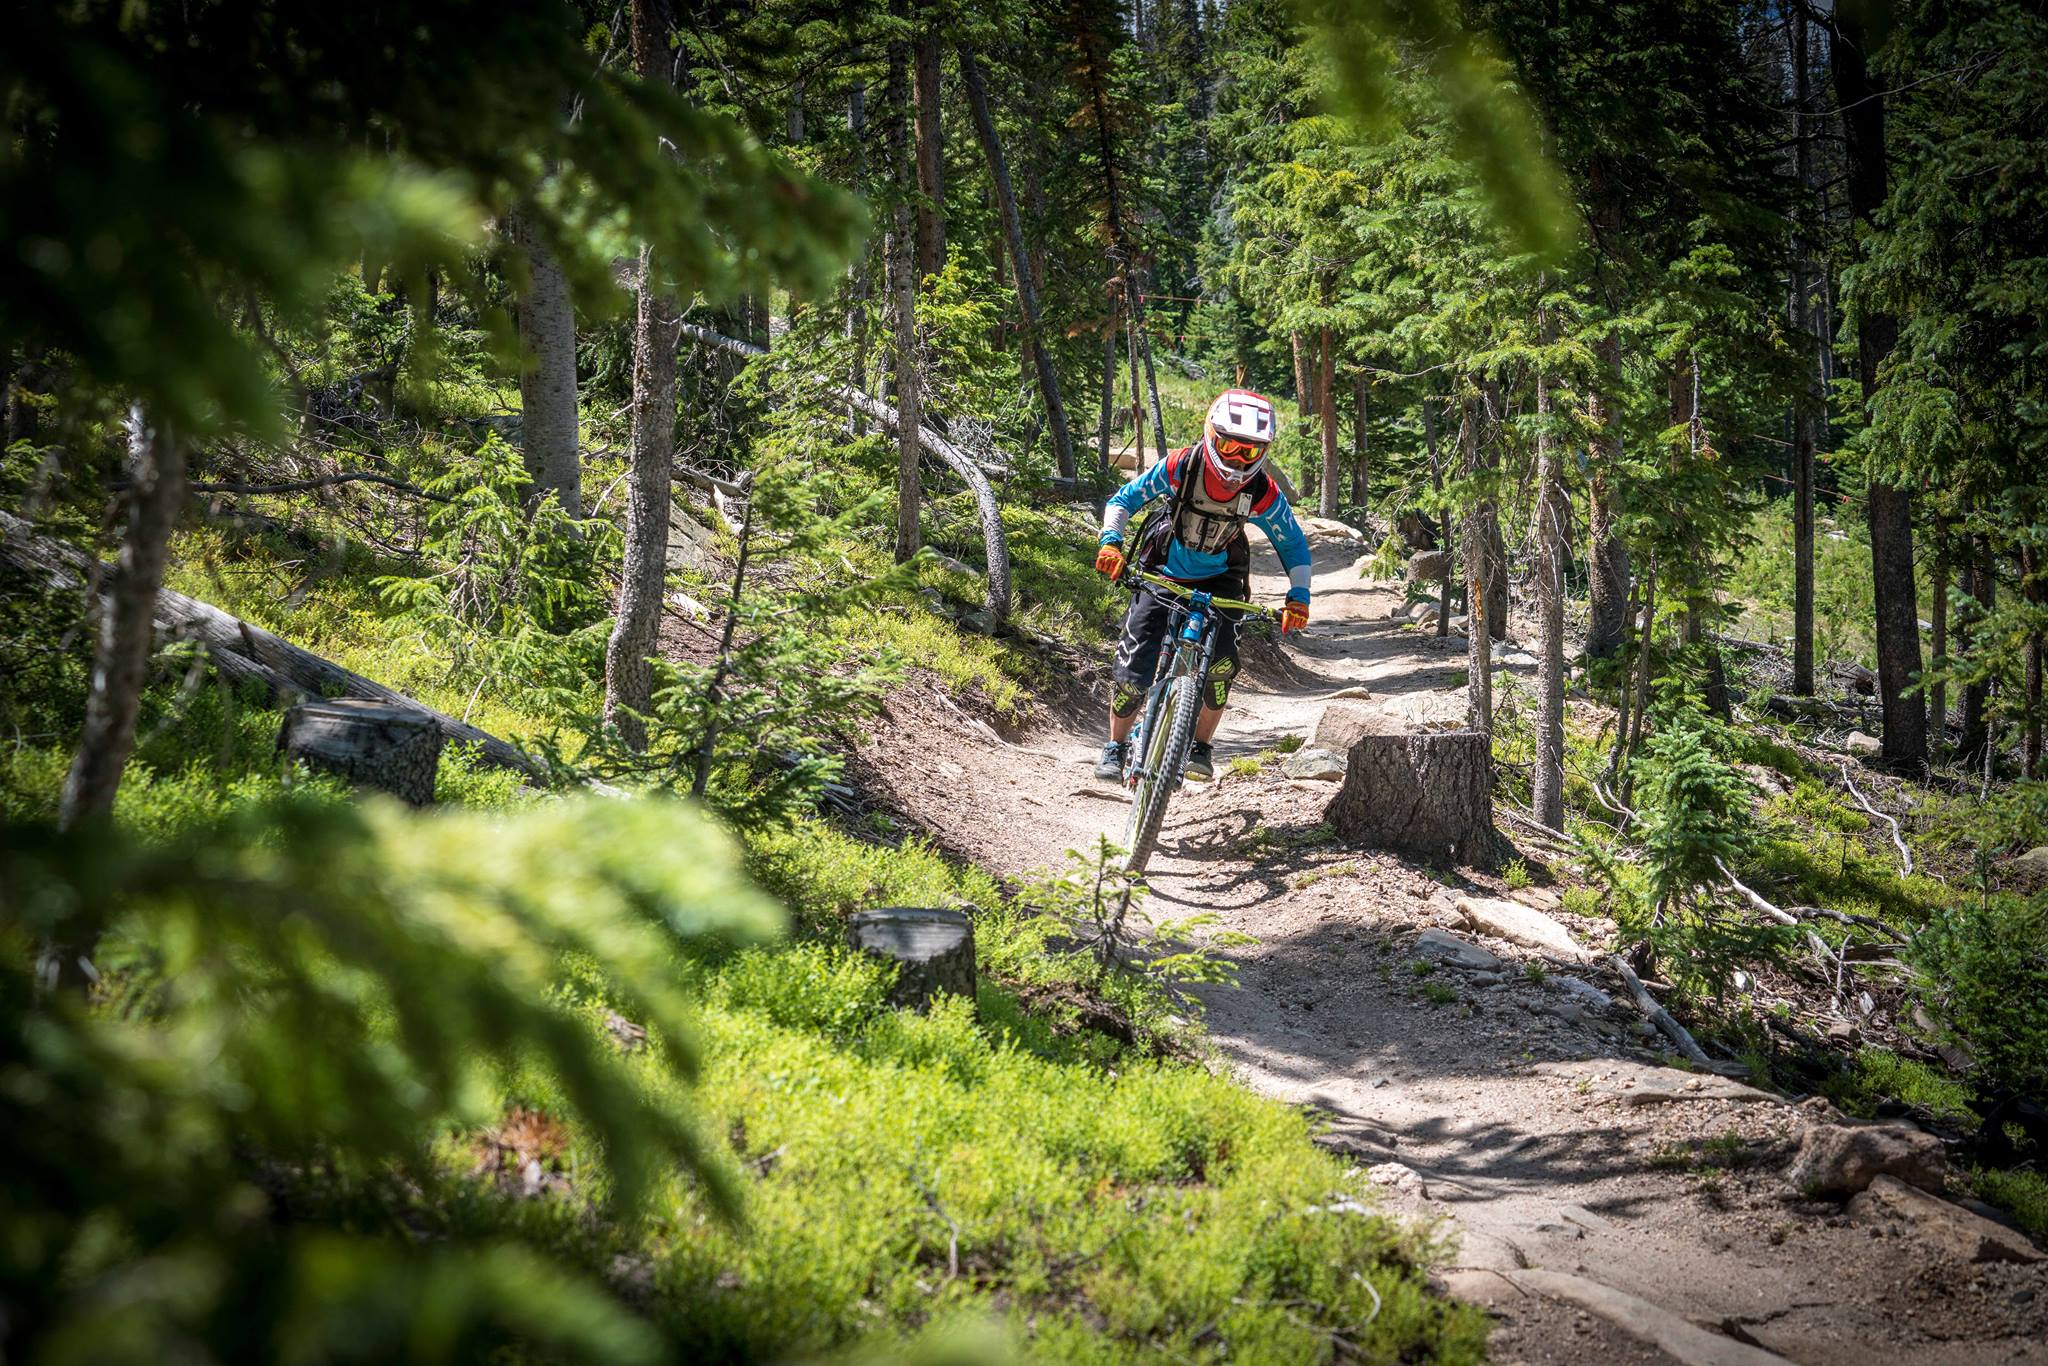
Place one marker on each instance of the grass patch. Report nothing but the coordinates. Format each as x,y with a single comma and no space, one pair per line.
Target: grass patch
2022,1193
1877,1075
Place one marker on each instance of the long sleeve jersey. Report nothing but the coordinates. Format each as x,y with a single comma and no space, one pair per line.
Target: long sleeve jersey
1271,513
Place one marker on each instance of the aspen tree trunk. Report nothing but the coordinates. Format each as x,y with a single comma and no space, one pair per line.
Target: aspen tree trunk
547,380
1020,260
1806,407
903,296
1326,418
1478,630
628,676
1137,385
931,161
1889,507
120,665
1607,568
1151,378
1361,482
1552,540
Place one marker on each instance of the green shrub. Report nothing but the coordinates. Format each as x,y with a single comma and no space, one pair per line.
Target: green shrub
1982,974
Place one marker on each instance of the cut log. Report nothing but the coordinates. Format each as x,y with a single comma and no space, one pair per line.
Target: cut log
372,744
1424,793
932,948
243,653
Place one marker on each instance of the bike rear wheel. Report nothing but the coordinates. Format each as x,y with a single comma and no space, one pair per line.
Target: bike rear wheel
1166,752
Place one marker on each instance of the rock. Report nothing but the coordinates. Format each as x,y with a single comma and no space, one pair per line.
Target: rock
1398,1178
1316,765
1857,742
1519,924
1429,566
1542,898
1445,947
1367,1147
2034,861
1571,1012
1952,1229
689,606
1422,613
691,545
1683,1340
980,622
1341,724
1513,659
1586,993
1839,1160
1356,692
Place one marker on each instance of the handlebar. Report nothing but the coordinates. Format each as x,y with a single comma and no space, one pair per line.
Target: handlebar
1181,590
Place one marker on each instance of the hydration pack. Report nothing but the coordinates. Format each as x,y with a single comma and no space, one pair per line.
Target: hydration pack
1203,524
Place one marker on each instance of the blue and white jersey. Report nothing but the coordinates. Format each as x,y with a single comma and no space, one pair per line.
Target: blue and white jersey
1268,510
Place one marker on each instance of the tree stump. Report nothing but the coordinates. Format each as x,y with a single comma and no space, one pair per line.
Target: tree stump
933,950
1428,793
372,744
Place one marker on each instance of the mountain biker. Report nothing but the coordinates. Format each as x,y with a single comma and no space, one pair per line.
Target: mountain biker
1212,490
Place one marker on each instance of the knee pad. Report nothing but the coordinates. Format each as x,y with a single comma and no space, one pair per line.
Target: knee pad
1125,697
1216,687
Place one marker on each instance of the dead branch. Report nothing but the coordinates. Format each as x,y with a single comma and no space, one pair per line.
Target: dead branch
1658,1015
1898,840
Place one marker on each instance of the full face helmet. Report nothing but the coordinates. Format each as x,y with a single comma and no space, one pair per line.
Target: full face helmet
1240,428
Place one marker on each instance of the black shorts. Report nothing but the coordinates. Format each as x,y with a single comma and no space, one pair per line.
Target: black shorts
1137,653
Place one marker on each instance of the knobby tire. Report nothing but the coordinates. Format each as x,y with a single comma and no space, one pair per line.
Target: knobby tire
1168,752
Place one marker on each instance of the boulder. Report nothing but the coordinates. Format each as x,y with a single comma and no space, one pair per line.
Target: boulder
1341,725
1429,566
2034,862
1856,742
1542,898
1444,947
1950,1228
1519,924
1585,991
1840,1160
1317,765
691,545
1422,613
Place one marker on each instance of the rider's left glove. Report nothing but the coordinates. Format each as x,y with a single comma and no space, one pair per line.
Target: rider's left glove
1109,560
1293,616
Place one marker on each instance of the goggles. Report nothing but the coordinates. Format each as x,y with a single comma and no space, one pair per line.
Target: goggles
1240,452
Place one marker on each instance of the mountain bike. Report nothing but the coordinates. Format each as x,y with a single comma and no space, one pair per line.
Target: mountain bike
1159,744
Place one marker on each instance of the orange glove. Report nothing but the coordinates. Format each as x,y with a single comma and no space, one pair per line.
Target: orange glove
1293,616
1109,560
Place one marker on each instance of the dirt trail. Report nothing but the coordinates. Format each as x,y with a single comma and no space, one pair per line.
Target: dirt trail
1597,1227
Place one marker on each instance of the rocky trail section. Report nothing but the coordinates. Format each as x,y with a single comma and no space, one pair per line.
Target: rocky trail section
1470,1055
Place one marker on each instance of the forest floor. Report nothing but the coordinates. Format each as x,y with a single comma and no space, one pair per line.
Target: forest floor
1608,1206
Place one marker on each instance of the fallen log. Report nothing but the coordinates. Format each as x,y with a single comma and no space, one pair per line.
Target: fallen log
996,544
372,744
243,653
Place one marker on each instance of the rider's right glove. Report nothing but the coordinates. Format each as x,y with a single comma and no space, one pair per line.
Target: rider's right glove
1109,560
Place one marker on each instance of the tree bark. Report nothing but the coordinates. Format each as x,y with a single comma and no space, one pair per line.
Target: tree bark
1326,418
547,377
1108,402
1607,561
1552,539
857,269
1976,737
1361,472
1889,508
1428,794
932,951
643,577
903,298
1478,565
120,665
1806,408
2034,588
1020,260
1937,610
931,186
1443,517
374,744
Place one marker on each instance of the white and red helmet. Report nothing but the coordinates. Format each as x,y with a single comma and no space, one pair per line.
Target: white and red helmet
1239,430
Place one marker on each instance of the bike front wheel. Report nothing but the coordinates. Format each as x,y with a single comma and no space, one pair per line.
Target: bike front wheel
1166,752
